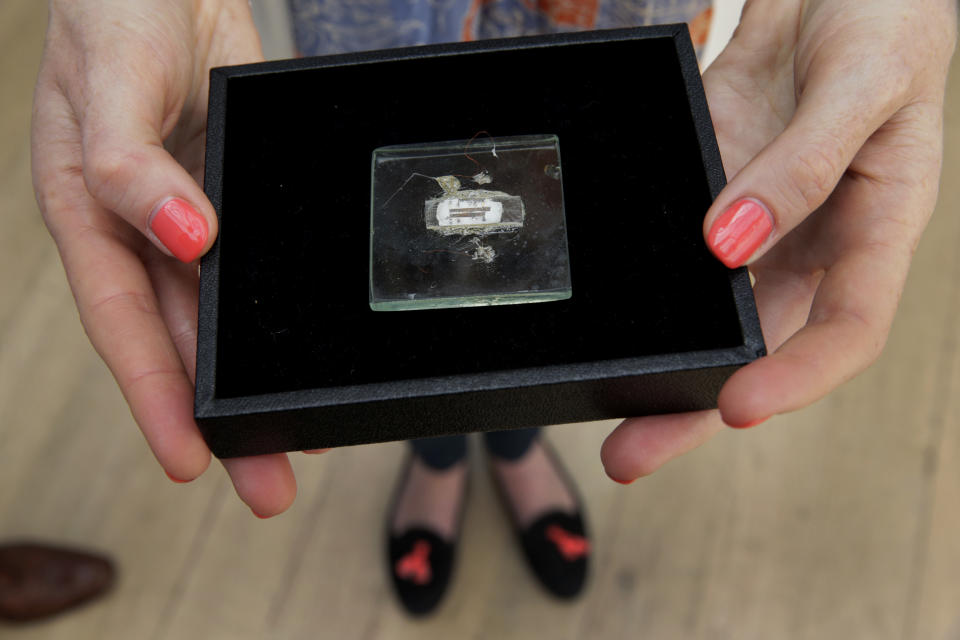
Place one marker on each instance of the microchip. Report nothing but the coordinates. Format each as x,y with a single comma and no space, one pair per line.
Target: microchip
476,211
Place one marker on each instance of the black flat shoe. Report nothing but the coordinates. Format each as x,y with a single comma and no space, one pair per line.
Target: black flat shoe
420,561
421,564
556,545
558,552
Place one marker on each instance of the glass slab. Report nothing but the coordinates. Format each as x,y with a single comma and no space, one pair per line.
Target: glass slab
470,222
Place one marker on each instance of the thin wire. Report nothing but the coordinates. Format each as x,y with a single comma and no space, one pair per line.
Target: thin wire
409,178
470,141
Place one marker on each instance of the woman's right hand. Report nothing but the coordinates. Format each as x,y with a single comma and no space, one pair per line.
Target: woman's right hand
119,125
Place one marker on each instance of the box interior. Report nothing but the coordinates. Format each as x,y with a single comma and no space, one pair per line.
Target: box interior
295,214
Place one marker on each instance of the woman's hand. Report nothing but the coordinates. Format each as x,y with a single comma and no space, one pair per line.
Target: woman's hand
829,119
118,133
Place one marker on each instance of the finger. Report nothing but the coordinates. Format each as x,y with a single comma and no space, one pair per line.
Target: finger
129,104
130,173
640,446
116,302
265,483
121,315
846,330
793,175
177,289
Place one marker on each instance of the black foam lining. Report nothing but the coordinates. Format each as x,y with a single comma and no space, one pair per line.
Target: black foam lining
294,240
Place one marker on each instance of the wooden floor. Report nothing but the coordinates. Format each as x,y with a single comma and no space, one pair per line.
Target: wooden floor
839,521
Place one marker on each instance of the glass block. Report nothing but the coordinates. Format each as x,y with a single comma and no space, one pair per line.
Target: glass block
466,223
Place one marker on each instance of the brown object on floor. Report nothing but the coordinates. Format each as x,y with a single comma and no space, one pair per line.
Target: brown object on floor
37,581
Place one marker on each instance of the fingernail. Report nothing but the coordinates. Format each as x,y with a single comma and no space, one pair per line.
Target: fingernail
180,228
259,516
739,231
623,481
177,480
750,424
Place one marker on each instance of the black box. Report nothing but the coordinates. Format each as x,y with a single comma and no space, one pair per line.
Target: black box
290,355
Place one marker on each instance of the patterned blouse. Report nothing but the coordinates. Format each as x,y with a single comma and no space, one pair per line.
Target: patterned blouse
338,26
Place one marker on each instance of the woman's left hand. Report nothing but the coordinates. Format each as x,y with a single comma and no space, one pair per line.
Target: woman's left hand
829,119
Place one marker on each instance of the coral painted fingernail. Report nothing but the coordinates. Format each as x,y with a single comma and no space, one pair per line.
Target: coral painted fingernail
750,424
259,516
739,231
624,481
180,228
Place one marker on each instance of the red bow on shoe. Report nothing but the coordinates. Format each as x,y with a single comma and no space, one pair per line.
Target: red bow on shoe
415,566
570,545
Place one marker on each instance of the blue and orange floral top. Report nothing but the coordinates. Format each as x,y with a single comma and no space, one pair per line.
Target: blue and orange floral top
338,26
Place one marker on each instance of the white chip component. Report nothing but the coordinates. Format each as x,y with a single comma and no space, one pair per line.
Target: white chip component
454,212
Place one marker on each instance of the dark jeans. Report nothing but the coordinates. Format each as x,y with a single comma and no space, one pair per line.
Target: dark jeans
446,451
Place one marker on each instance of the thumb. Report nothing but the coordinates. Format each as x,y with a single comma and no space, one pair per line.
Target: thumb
128,171
797,171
